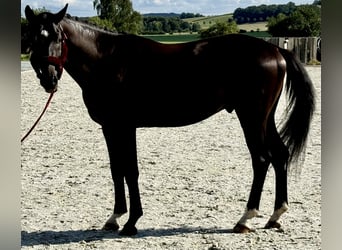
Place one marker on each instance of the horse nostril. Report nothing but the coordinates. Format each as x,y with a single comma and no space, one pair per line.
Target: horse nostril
53,74
55,80
52,70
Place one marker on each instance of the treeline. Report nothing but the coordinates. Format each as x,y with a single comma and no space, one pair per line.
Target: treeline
262,13
162,25
183,15
189,15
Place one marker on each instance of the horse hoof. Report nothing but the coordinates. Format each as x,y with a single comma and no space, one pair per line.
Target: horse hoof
128,231
242,229
110,227
272,224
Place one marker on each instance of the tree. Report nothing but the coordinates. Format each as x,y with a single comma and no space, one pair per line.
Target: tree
120,13
277,26
219,29
101,23
304,21
161,25
195,27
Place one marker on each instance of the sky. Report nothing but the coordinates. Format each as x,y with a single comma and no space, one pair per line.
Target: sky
84,8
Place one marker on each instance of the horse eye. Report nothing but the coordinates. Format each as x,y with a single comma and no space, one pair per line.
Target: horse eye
44,33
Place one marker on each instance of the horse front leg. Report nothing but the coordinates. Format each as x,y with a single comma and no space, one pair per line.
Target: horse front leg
120,206
135,211
121,145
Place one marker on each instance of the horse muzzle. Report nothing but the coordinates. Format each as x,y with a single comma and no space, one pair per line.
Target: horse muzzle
49,80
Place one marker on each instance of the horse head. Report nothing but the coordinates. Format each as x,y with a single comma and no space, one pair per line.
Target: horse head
48,46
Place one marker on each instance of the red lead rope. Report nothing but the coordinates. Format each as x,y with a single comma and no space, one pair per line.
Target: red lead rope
35,124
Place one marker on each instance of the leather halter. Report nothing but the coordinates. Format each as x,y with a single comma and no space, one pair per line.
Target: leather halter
59,61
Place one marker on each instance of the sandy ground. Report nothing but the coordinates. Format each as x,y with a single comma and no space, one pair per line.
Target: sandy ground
194,182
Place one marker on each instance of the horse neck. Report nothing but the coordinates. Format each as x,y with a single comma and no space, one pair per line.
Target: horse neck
81,37
82,49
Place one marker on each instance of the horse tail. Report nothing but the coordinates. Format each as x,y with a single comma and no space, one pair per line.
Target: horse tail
300,107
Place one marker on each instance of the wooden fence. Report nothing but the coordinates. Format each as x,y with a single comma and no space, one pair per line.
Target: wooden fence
306,48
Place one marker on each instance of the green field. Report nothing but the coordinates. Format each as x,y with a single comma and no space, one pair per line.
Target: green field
207,21
261,26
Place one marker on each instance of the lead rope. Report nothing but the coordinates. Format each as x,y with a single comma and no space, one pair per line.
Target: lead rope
41,115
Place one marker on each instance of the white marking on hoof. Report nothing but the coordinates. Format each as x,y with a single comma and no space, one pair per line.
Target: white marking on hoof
248,215
113,219
277,213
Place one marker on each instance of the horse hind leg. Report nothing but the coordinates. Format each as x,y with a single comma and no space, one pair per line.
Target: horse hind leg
279,157
265,148
260,168
254,131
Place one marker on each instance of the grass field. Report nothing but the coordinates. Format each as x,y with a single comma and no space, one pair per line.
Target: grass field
207,21
261,26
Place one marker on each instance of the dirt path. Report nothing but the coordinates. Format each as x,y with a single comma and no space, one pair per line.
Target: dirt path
194,182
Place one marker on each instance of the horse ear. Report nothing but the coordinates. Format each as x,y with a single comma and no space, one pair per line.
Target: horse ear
30,16
60,15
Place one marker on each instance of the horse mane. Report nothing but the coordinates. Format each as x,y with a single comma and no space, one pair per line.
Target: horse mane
86,27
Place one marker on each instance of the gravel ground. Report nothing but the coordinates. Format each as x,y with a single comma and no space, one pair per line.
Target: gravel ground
194,182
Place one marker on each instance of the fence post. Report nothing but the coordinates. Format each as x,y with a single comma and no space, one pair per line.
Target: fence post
304,47
286,43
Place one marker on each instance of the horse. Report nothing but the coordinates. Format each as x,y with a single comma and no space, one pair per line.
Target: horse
129,82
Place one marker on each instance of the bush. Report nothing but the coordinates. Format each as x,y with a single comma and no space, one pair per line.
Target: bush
220,29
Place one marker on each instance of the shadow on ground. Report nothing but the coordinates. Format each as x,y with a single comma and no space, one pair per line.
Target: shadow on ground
74,236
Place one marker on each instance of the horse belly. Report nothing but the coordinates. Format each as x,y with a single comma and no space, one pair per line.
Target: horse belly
176,111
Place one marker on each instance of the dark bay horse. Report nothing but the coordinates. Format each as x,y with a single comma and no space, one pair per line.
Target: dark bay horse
128,82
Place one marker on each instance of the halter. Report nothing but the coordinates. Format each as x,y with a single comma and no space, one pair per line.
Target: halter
59,61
